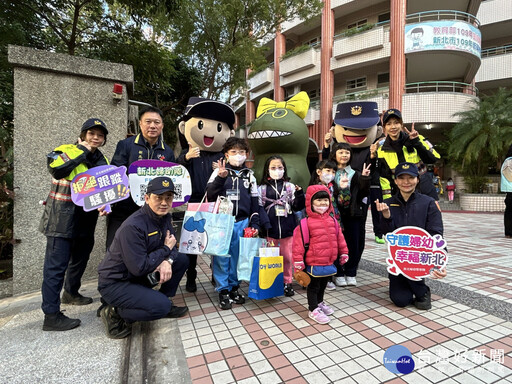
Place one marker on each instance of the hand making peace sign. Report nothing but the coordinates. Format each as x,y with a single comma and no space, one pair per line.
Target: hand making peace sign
412,133
366,170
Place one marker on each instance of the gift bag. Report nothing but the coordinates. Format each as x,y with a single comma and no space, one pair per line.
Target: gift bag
249,248
267,278
269,251
205,232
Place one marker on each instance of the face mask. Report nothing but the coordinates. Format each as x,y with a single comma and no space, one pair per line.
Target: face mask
276,174
321,210
326,178
237,160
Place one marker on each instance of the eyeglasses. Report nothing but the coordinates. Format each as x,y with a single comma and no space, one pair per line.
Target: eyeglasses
233,152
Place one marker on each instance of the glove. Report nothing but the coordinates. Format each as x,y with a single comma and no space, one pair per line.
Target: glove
299,265
343,259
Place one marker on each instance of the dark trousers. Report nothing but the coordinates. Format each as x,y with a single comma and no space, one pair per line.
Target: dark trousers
508,214
354,233
376,193
316,290
137,302
402,291
64,264
191,271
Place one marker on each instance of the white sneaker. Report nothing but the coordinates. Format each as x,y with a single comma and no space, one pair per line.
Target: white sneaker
340,281
351,280
330,286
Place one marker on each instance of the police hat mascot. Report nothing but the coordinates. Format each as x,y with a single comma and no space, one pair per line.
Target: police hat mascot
279,128
206,125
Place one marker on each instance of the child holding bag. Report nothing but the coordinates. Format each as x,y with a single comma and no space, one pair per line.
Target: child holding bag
280,199
326,244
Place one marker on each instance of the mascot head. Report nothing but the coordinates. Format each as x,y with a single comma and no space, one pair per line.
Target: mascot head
357,123
207,124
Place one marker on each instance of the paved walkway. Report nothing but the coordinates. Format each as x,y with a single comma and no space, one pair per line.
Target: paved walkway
465,338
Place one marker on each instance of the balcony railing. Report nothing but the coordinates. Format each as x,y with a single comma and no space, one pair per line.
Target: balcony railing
441,86
357,30
442,15
497,51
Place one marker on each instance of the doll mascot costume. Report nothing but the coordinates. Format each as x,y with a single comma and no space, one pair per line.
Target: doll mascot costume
206,125
280,129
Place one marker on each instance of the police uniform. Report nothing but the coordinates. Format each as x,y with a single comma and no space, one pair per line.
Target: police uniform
137,250
128,151
418,211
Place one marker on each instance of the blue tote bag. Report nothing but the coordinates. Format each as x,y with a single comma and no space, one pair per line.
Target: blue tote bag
249,249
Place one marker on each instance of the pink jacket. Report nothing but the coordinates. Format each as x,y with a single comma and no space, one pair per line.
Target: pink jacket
324,246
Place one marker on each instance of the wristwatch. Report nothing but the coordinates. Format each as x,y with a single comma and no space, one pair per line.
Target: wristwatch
170,261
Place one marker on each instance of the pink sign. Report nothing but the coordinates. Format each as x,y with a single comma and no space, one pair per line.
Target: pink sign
414,253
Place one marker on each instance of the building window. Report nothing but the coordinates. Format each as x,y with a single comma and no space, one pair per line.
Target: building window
356,83
312,41
358,24
313,93
384,17
382,79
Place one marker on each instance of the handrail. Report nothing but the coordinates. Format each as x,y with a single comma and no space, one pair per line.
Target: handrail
360,95
495,51
441,86
442,15
357,30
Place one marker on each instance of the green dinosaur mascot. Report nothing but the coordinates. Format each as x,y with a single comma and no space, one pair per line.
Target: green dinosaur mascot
280,129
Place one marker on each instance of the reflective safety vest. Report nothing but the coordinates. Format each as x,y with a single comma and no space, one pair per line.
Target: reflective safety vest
69,152
391,158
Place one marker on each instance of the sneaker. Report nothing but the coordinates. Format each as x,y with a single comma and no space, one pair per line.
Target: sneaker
78,299
288,290
424,302
115,326
236,297
176,312
319,316
191,285
325,308
330,286
59,322
351,280
340,281
224,300
380,240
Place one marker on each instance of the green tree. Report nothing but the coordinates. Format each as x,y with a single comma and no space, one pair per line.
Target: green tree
482,136
222,38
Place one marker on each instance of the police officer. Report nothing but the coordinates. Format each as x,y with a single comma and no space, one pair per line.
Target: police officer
401,146
144,245
409,208
146,145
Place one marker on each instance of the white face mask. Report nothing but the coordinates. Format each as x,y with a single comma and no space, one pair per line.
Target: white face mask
321,210
326,178
276,174
237,160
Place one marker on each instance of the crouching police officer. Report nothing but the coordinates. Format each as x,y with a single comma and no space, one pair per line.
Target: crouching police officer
143,245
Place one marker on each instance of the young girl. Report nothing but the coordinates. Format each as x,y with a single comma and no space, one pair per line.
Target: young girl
326,244
324,175
353,187
279,198
450,187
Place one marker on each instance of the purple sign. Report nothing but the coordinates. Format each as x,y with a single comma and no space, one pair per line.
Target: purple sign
100,186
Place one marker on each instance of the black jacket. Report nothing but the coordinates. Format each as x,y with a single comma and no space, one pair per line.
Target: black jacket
359,191
138,247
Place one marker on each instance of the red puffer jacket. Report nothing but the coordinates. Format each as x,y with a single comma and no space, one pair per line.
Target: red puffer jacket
324,246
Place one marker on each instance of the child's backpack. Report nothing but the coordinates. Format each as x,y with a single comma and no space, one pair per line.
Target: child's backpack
287,198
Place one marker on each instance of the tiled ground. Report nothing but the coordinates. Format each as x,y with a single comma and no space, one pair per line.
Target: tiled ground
273,341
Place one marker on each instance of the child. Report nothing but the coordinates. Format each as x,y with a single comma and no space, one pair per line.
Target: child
326,244
353,189
450,187
324,175
235,181
279,197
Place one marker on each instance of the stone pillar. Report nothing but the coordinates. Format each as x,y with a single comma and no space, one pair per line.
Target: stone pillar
279,50
326,75
397,59
53,95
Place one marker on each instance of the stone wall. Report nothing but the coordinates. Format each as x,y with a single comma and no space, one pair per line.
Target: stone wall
53,95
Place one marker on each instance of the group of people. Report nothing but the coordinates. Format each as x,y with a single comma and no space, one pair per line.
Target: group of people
141,247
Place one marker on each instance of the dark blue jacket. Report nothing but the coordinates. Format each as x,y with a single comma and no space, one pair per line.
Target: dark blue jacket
419,211
282,226
137,148
240,179
200,170
138,247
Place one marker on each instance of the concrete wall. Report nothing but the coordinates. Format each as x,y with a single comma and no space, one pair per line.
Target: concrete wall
53,95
